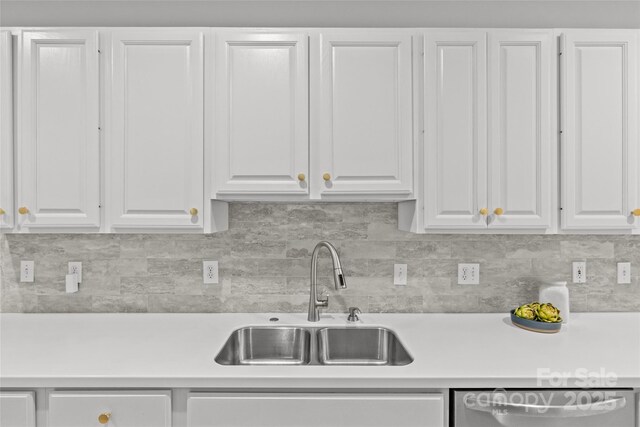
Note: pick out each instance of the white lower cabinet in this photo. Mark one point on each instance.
(110, 408)
(17, 409)
(314, 410)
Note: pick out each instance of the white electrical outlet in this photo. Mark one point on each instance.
(210, 272)
(400, 274)
(580, 272)
(624, 273)
(76, 268)
(27, 271)
(468, 274)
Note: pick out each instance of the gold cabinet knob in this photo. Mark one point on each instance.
(2, 211)
(104, 417)
(326, 177)
(484, 211)
(23, 210)
(636, 212)
(498, 211)
(301, 177)
(193, 211)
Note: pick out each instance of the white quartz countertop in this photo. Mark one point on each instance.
(450, 350)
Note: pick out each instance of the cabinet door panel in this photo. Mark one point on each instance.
(124, 408)
(155, 154)
(7, 211)
(314, 410)
(58, 153)
(262, 113)
(455, 129)
(17, 409)
(366, 135)
(520, 161)
(600, 139)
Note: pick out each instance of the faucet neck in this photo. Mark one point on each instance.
(338, 279)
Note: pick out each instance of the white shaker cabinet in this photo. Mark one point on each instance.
(521, 168)
(7, 211)
(314, 410)
(488, 146)
(58, 149)
(455, 138)
(261, 114)
(599, 81)
(155, 135)
(17, 409)
(362, 137)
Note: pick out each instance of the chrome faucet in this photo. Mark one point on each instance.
(339, 281)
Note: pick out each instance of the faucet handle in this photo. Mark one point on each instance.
(323, 301)
(353, 314)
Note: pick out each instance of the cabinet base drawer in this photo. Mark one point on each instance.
(110, 408)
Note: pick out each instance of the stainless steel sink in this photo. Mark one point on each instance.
(282, 345)
(267, 346)
(361, 346)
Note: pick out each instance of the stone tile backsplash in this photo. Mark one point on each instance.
(265, 259)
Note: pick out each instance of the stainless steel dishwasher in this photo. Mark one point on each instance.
(548, 408)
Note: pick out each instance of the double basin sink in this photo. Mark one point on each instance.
(286, 345)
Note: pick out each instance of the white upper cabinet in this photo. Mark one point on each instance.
(261, 115)
(58, 150)
(521, 165)
(455, 141)
(363, 131)
(599, 74)
(155, 135)
(488, 142)
(7, 211)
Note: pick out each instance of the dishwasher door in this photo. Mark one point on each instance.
(544, 408)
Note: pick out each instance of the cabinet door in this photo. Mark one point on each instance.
(58, 154)
(7, 212)
(155, 165)
(262, 140)
(600, 129)
(365, 142)
(113, 408)
(314, 410)
(520, 141)
(455, 145)
(17, 409)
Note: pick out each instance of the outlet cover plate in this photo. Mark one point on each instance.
(75, 267)
(580, 272)
(210, 272)
(624, 273)
(27, 272)
(468, 274)
(400, 274)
